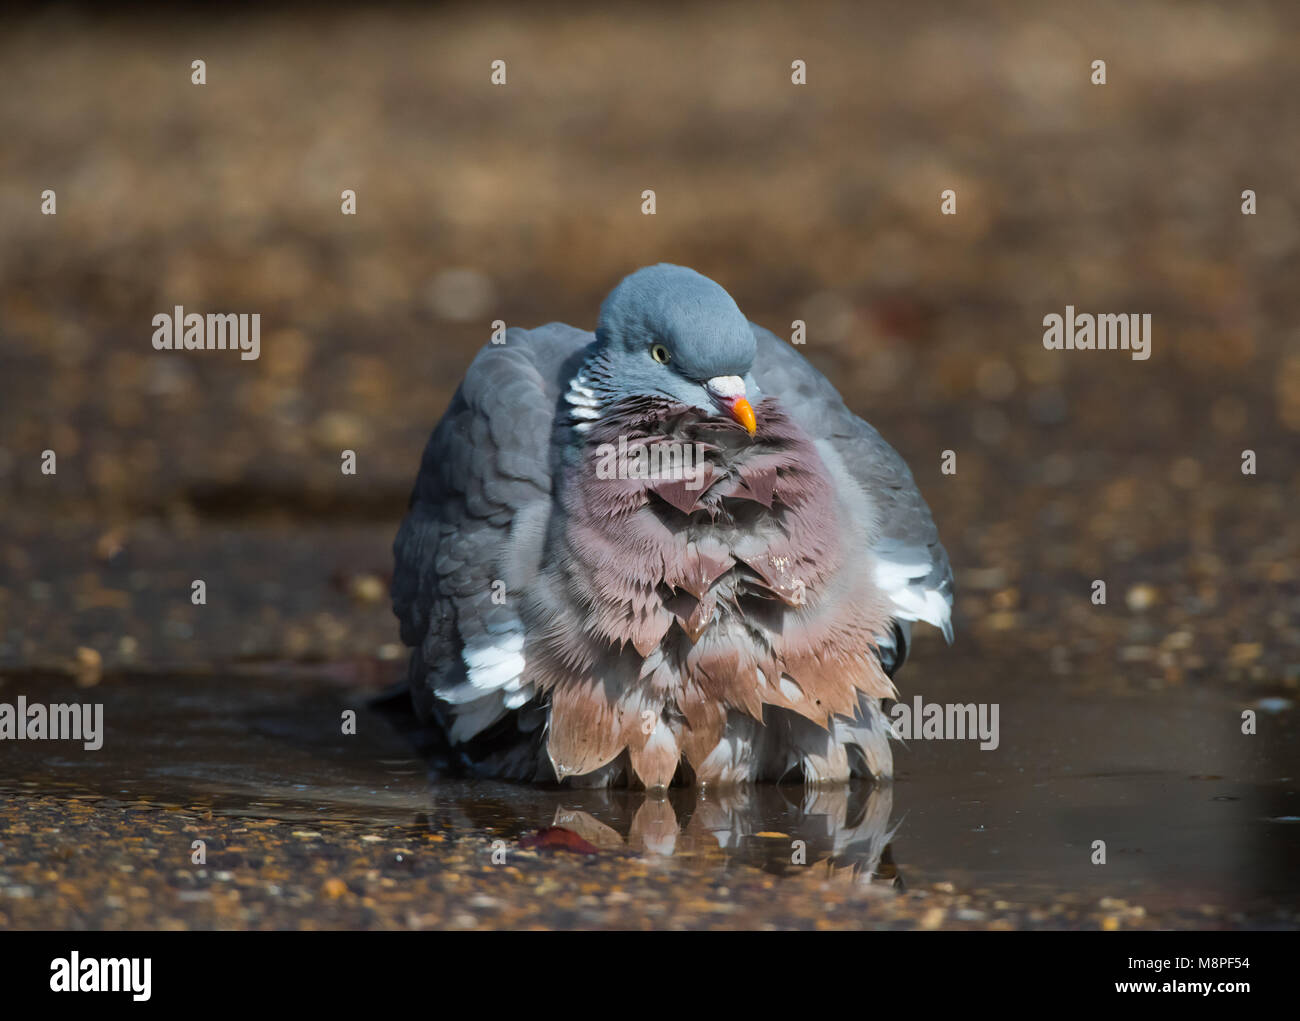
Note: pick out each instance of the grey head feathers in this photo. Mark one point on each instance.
(666, 331)
(699, 322)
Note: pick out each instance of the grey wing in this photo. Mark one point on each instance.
(912, 565)
(475, 531)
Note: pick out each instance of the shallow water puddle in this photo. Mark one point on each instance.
(1193, 814)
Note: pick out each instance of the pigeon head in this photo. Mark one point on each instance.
(670, 333)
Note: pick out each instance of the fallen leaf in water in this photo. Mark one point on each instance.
(557, 838)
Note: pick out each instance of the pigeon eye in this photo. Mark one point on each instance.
(660, 354)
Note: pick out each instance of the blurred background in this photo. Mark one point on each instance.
(522, 202)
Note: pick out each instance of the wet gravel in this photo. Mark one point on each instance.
(306, 826)
(133, 871)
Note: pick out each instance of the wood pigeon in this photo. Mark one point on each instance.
(665, 552)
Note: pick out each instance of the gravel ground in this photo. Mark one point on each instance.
(304, 826)
(264, 873)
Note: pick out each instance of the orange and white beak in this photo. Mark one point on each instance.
(728, 392)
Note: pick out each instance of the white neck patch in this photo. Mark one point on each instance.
(583, 402)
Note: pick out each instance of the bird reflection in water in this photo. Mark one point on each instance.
(842, 828)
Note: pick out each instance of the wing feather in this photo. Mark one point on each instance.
(476, 521)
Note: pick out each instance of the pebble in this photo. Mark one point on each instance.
(1141, 597)
(89, 668)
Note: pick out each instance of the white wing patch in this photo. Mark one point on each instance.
(494, 684)
(494, 660)
(904, 583)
